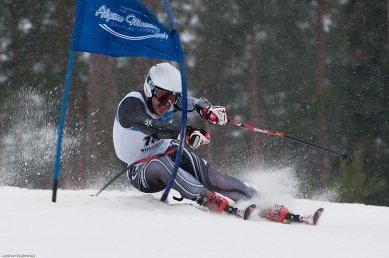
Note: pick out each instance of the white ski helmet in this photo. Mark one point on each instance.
(163, 76)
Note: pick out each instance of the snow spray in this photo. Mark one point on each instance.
(28, 140)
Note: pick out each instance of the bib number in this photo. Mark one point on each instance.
(148, 140)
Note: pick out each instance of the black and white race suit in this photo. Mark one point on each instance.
(139, 133)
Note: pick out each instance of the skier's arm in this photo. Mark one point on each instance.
(157, 129)
(132, 113)
(214, 114)
(191, 104)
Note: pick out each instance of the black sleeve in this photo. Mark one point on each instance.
(201, 104)
(190, 104)
(132, 113)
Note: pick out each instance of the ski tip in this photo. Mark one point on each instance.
(248, 211)
(317, 215)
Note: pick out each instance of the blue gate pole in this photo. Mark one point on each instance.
(184, 101)
(61, 125)
(76, 34)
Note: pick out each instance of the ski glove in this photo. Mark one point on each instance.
(217, 115)
(196, 137)
(214, 114)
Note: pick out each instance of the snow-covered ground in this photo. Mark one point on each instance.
(131, 224)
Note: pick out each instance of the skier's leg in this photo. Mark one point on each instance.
(212, 179)
(191, 163)
(227, 185)
(153, 176)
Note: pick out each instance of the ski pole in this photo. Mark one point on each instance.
(270, 132)
(166, 153)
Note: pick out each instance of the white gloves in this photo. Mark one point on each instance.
(214, 114)
(196, 137)
(217, 115)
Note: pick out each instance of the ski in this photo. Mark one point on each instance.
(311, 219)
(240, 213)
(248, 211)
(317, 215)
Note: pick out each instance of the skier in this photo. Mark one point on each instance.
(144, 127)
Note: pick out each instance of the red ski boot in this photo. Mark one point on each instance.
(217, 203)
(277, 213)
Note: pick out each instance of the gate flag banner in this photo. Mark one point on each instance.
(120, 28)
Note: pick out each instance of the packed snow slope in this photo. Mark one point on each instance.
(133, 224)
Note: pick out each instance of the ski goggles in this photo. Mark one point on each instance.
(165, 97)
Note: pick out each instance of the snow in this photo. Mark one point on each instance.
(132, 224)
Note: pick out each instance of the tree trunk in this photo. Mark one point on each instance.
(15, 43)
(254, 95)
(101, 94)
(320, 86)
(63, 11)
(387, 15)
(141, 66)
(2, 119)
(139, 69)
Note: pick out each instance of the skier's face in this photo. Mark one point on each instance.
(160, 108)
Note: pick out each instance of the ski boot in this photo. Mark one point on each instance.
(277, 213)
(217, 203)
